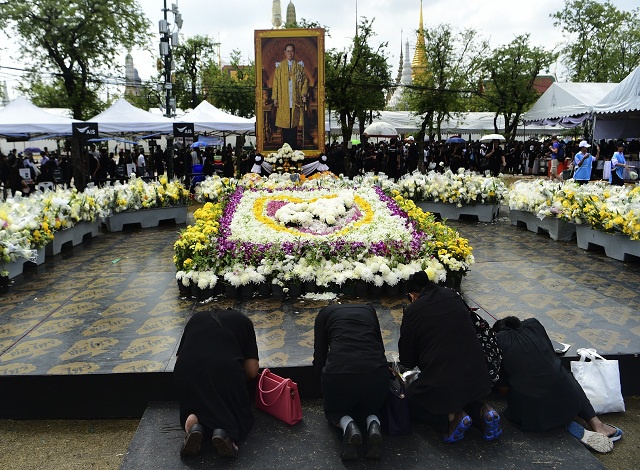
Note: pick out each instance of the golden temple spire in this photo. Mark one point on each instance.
(419, 62)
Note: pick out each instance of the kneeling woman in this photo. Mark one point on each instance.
(349, 355)
(217, 355)
(542, 394)
(438, 336)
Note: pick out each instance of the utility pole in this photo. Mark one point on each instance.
(168, 40)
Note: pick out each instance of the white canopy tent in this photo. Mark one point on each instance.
(21, 116)
(618, 113)
(482, 123)
(475, 123)
(123, 117)
(206, 117)
(567, 104)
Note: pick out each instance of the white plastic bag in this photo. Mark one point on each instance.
(600, 380)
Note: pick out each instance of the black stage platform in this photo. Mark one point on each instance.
(93, 331)
(313, 444)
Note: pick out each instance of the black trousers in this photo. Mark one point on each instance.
(356, 395)
(290, 135)
(440, 422)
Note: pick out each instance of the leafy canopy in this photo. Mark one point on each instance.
(75, 41)
(602, 43)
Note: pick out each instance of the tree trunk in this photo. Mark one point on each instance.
(78, 165)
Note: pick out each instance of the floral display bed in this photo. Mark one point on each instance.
(557, 229)
(147, 218)
(616, 245)
(452, 195)
(484, 212)
(74, 235)
(31, 227)
(326, 234)
(597, 210)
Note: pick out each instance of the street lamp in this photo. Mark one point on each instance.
(169, 40)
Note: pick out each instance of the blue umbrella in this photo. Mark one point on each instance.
(198, 144)
(33, 150)
(455, 140)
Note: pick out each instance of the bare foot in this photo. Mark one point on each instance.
(191, 420)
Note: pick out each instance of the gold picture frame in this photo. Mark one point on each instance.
(302, 122)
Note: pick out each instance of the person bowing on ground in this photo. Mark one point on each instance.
(217, 354)
(437, 335)
(349, 355)
(541, 393)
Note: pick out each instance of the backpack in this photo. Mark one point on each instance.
(560, 154)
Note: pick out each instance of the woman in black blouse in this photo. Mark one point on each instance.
(218, 353)
(542, 394)
(438, 336)
(349, 355)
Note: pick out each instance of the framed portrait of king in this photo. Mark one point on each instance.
(290, 90)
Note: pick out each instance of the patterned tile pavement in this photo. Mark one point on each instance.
(112, 305)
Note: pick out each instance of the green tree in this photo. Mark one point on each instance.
(356, 80)
(194, 55)
(512, 70)
(75, 40)
(453, 61)
(602, 43)
(231, 88)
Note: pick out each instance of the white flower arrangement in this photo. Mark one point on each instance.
(285, 153)
(598, 204)
(328, 230)
(463, 187)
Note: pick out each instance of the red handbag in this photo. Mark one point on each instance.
(279, 397)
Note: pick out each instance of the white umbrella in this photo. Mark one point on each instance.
(490, 137)
(380, 129)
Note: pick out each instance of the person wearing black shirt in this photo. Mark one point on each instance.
(217, 354)
(542, 394)
(349, 356)
(437, 335)
(393, 159)
(496, 158)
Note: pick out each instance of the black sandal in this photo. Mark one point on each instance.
(192, 441)
(224, 444)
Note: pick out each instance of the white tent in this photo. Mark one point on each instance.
(567, 104)
(618, 113)
(206, 117)
(482, 123)
(122, 116)
(476, 123)
(21, 116)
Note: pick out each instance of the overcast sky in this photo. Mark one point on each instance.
(232, 23)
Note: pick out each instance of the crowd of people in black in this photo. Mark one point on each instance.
(394, 158)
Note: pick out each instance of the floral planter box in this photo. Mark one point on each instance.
(557, 229)
(147, 218)
(484, 212)
(16, 267)
(74, 234)
(616, 245)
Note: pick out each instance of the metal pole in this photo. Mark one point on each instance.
(167, 86)
(167, 69)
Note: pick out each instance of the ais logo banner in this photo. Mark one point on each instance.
(85, 130)
(184, 129)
